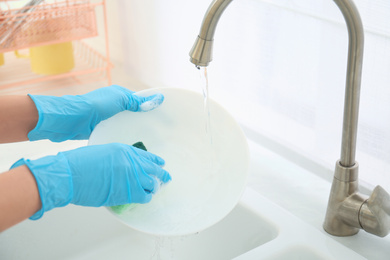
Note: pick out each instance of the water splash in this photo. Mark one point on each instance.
(159, 242)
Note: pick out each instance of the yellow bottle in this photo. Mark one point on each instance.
(52, 59)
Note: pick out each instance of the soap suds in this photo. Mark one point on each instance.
(151, 104)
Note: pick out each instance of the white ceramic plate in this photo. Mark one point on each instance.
(208, 176)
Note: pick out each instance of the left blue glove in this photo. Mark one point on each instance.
(74, 117)
(97, 175)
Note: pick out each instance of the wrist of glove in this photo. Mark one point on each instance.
(74, 117)
(99, 175)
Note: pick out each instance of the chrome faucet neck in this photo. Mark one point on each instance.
(201, 55)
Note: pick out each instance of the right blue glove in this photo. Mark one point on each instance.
(96, 175)
(74, 117)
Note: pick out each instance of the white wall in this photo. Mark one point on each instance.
(158, 37)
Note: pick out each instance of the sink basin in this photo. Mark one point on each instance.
(298, 252)
(255, 229)
(89, 233)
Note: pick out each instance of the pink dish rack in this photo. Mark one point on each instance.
(50, 22)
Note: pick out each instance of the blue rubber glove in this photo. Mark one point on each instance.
(74, 117)
(96, 175)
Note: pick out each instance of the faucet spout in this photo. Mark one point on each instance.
(348, 211)
(202, 51)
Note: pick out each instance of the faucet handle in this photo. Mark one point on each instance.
(374, 214)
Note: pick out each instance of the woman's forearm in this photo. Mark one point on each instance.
(19, 196)
(18, 116)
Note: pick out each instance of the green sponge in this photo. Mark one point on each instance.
(122, 208)
(140, 145)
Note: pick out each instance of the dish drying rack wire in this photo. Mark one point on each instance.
(90, 66)
(47, 23)
(43, 22)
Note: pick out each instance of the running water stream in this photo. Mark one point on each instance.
(205, 90)
(211, 167)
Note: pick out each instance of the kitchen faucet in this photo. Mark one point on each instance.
(348, 210)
